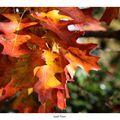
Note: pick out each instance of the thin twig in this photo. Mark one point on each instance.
(18, 26)
(103, 34)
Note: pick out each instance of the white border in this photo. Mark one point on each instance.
(58, 116)
(60, 3)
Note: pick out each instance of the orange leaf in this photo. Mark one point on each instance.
(12, 43)
(76, 58)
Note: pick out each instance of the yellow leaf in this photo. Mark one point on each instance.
(46, 73)
(55, 16)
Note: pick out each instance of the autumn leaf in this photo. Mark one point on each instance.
(59, 27)
(46, 75)
(110, 14)
(77, 57)
(48, 84)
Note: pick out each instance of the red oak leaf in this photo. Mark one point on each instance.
(59, 27)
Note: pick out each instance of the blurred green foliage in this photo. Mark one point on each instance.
(97, 93)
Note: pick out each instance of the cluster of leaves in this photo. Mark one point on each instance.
(39, 54)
